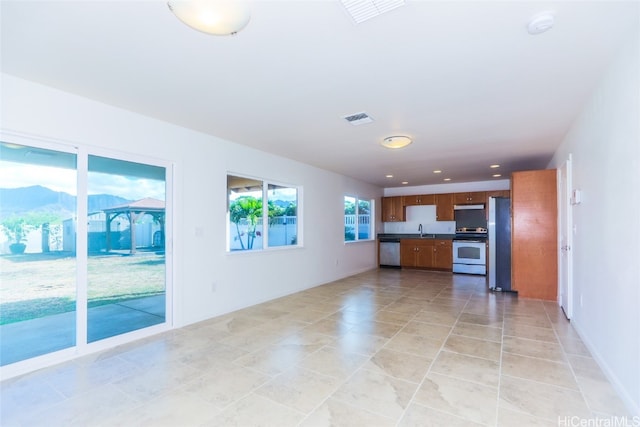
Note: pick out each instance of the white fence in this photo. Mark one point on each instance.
(283, 231)
(364, 225)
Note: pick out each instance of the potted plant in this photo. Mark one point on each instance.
(15, 228)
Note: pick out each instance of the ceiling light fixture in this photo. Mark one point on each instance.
(497, 175)
(494, 166)
(217, 17)
(540, 23)
(447, 179)
(389, 176)
(405, 182)
(396, 142)
(437, 171)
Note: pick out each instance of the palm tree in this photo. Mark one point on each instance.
(250, 209)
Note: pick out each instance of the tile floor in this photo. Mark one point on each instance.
(382, 348)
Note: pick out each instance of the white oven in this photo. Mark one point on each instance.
(469, 256)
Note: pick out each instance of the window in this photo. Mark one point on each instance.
(251, 226)
(357, 219)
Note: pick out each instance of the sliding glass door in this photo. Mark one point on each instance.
(37, 252)
(82, 252)
(126, 254)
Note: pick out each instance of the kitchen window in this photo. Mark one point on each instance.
(357, 219)
(261, 214)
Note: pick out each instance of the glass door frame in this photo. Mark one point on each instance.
(82, 347)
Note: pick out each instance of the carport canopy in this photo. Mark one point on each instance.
(133, 211)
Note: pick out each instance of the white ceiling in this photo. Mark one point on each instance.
(464, 79)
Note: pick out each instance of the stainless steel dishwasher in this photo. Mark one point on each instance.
(389, 252)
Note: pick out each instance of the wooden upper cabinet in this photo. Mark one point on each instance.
(444, 207)
(392, 209)
(534, 244)
(470, 198)
(419, 200)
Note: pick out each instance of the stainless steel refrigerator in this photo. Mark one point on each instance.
(499, 229)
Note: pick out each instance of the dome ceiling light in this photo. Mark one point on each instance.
(217, 17)
(540, 23)
(396, 142)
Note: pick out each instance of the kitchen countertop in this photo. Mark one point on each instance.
(415, 236)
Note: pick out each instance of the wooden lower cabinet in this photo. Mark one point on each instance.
(434, 254)
(534, 244)
(416, 253)
(443, 254)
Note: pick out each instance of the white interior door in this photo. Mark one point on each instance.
(565, 272)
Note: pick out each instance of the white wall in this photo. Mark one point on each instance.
(605, 145)
(201, 165)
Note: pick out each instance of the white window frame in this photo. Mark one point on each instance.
(371, 217)
(265, 216)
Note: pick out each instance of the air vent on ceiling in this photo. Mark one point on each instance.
(358, 119)
(361, 10)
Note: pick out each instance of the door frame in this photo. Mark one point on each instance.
(565, 238)
(81, 347)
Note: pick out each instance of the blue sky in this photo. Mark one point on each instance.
(15, 175)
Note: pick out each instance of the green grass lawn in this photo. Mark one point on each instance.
(38, 285)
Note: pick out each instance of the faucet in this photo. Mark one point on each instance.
(420, 229)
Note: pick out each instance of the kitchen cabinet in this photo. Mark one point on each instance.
(426, 253)
(416, 253)
(393, 209)
(444, 207)
(469, 198)
(534, 243)
(443, 254)
(419, 200)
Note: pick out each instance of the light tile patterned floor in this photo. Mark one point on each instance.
(382, 348)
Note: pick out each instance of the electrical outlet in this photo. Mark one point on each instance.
(214, 286)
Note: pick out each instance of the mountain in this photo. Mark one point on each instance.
(18, 201)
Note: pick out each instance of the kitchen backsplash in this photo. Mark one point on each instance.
(416, 215)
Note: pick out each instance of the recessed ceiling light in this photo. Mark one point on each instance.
(389, 176)
(494, 166)
(496, 175)
(447, 179)
(437, 171)
(405, 182)
(396, 142)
